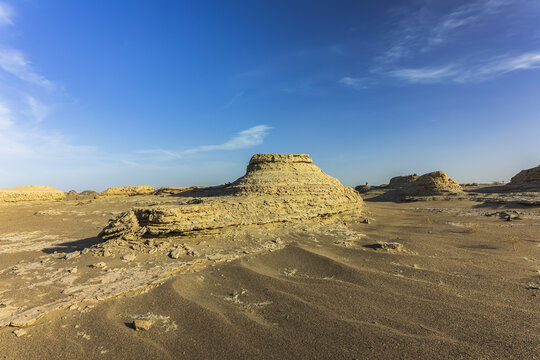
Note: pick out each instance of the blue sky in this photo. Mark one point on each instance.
(107, 93)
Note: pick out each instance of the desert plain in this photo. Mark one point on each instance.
(284, 263)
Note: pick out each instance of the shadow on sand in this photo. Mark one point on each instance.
(72, 246)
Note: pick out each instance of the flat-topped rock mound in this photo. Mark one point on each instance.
(31, 193)
(287, 175)
(528, 179)
(275, 188)
(128, 191)
(399, 182)
(433, 183)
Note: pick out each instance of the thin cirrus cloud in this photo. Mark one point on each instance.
(358, 83)
(465, 15)
(472, 73)
(422, 30)
(5, 117)
(244, 139)
(15, 63)
(37, 109)
(19, 142)
(355, 83)
(6, 14)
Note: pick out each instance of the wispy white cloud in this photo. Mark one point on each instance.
(38, 110)
(464, 15)
(6, 14)
(355, 83)
(15, 63)
(423, 29)
(234, 99)
(158, 155)
(5, 117)
(244, 139)
(18, 141)
(469, 73)
(425, 75)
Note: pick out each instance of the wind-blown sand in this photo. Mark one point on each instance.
(457, 289)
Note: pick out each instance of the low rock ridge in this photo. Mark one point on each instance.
(433, 183)
(31, 193)
(528, 179)
(398, 182)
(128, 191)
(275, 188)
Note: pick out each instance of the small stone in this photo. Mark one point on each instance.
(128, 257)
(72, 255)
(175, 253)
(72, 271)
(365, 221)
(19, 332)
(100, 265)
(391, 246)
(142, 324)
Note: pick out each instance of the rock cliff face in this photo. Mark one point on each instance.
(276, 188)
(528, 179)
(400, 181)
(434, 183)
(31, 193)
(128, 191)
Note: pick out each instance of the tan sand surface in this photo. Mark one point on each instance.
(462, 284)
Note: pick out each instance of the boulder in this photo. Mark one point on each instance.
(128, 191)
(363, 188)
(275, 188)
(31, 193)
(399, 182)
(433, 183)
(528, 180)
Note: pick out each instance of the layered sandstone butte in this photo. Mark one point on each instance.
(399, 182)
(128, 191)
(276, 188)
(528, 179)
(31, 193)
(433, 183)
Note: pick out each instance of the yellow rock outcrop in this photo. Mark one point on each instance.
(128, 191)
(31, 193)
(276, 188)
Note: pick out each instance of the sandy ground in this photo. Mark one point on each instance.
(465, 285)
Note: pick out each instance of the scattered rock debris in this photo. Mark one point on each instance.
(19, 332)
(141, 324)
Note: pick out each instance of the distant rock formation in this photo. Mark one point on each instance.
(128, 191)
(84, 195)
(31, 193)
(433, 183)
(363, 188)
(399, 182)
(275, 188)
(171, 190)
(528, 180)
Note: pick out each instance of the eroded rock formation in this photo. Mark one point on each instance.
(399, 182)
(31, 193)
(528, 179)
(128, 191)
(433, 183)
(275, 188)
